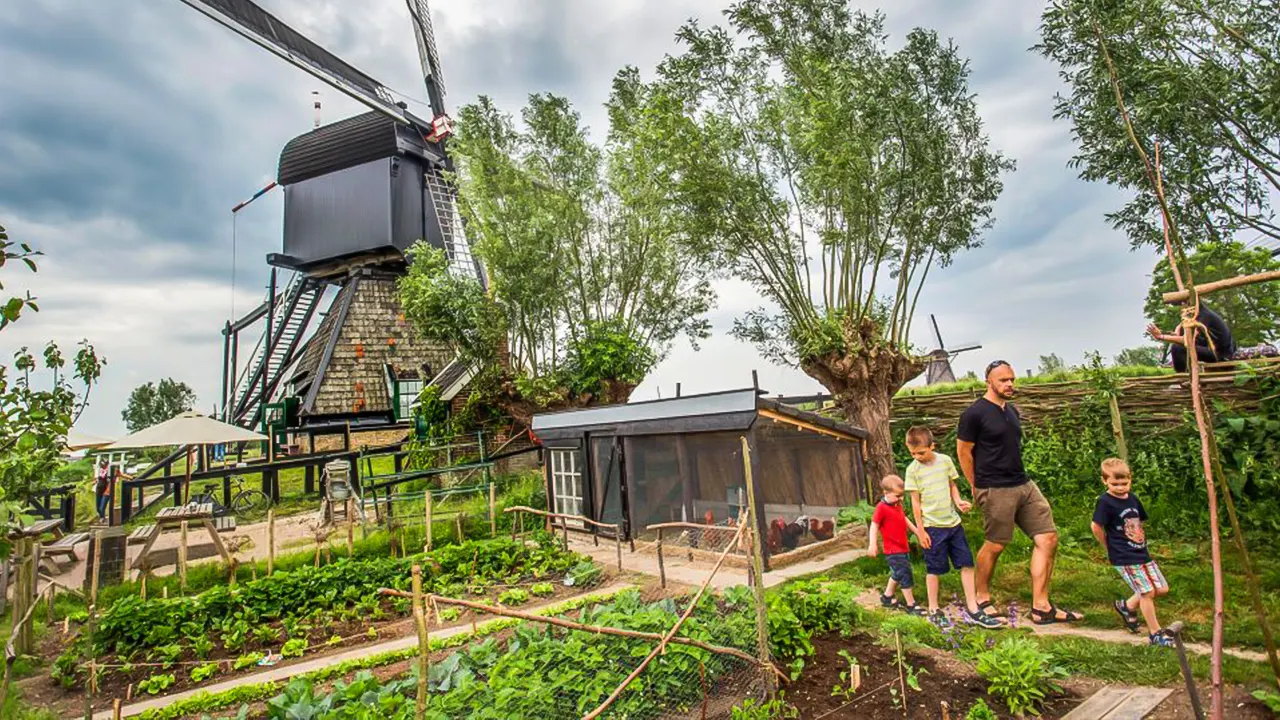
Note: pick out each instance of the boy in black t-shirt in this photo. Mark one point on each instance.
(1117, 524)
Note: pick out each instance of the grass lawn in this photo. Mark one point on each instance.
(1083, 581)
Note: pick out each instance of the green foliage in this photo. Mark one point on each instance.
(154, 403)
(773, 160)
(980, 711)
(1020, 674)
(542, 589)
(584, 574)
(772, 709)
(247, 660)
(858, 515)
(200, 673)
(1199, 78)
(514, 596)
(1051, 364)
(1252, 311)
(34, 421)
(1270, 698)
(294, 648)
(1141, 356)
(156, 684)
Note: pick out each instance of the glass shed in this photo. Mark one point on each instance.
(680, 460)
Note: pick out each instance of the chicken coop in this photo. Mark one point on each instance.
(680, 460)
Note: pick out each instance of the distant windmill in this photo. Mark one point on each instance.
(939, 370)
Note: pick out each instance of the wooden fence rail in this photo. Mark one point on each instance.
(564, 525)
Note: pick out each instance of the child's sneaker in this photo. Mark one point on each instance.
(1129, 617)
(939, 619)
(981, 619)
(1161, 638)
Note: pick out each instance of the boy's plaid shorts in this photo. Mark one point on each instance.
(1143, 578)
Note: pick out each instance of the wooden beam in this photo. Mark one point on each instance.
(805, 425)
(1180, 296)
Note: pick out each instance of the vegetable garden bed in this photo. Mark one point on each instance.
(160, 646)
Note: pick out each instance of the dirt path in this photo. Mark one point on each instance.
(287, 671)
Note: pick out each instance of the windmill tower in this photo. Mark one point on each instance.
(939, 370)
(357, 194)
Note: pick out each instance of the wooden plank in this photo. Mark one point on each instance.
(1139, 704)
(1101, 703)
(217, 541)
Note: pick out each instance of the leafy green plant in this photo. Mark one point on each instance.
(583, 575)
(858, 515)
(247, 660)
(450, 614)
(542, 589)
(980, 711)
(850, 678)
(201, 645)
(1270, 698)
(772, 709)
(1020, 674)
(294, 648)
(156, 684)
(200, 673)
(514, 596)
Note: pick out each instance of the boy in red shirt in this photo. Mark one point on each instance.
(891, 523)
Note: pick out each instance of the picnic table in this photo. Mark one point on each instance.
(171, 518)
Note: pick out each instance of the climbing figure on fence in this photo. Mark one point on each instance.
(1215, 345)
(989, 445)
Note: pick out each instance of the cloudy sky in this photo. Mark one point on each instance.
(129, 128)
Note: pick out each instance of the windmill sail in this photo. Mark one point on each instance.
(428, 54)
(250, 20)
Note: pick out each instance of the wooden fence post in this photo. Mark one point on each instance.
(662, 570)
(271, 541)
(617, 543)
(757, 567)
(424, 645)
(493, 515)
(182, 558)
(428, 513)
(1117, 428)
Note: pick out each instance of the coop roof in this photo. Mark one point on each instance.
(342, 370)
(727, 410)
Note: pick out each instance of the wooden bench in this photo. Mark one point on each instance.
(65, 545)
(224, 523)
(141, 534)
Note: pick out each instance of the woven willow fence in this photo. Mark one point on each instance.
(1148, 403)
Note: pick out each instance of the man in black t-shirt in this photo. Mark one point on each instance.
(989, 447)
(1215, 346)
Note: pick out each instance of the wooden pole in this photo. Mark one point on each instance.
(662, 569)
(271, 541)
(91, 626)
(1178, 297)
(1117, 428)
(493, 514)
(117, 709)
(757, 565)
(424, 644)
(182, 558)
(617, 543)
(20, 593)
(351, 528)
(428, 513)
(457, 524)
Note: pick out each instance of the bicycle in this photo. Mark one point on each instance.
(244, 501)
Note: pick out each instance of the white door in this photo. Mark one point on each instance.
(566, 484)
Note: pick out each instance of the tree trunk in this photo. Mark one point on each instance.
(863, 384)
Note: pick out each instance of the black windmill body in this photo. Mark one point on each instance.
(357, 194)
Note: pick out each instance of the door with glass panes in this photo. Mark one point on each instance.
(566, 483)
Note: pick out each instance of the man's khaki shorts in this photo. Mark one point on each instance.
(1005, 507)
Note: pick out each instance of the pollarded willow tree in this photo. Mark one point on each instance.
(831, 174)
(590, 282)
(1200, 78)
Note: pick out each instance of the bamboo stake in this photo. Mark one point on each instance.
(1190, 329)
(117, 709)
(1178, 297)
(428, 512)
(571, 625)
(271, 541)
(493, 511)
(757, 563)
(182, 558)
(662, 644)
(662, 570)
(424, 645)
(457, 523)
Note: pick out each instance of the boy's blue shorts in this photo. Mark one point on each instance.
(950, 549)
(900, 569)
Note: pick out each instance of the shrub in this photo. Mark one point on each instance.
(1020, 674)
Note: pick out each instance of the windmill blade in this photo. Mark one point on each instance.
(937, 333)
(964, 347)
(251, 21)
(428, 55)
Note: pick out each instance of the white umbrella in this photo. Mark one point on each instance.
(77, 440)
(189, 428)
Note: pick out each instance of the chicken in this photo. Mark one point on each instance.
(775, 535)
(791, 533)
(822, 530)
(709, 519)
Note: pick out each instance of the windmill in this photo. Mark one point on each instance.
(939, 370)
(357, 194)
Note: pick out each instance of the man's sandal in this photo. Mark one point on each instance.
(989, 609)
(1050, 616)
